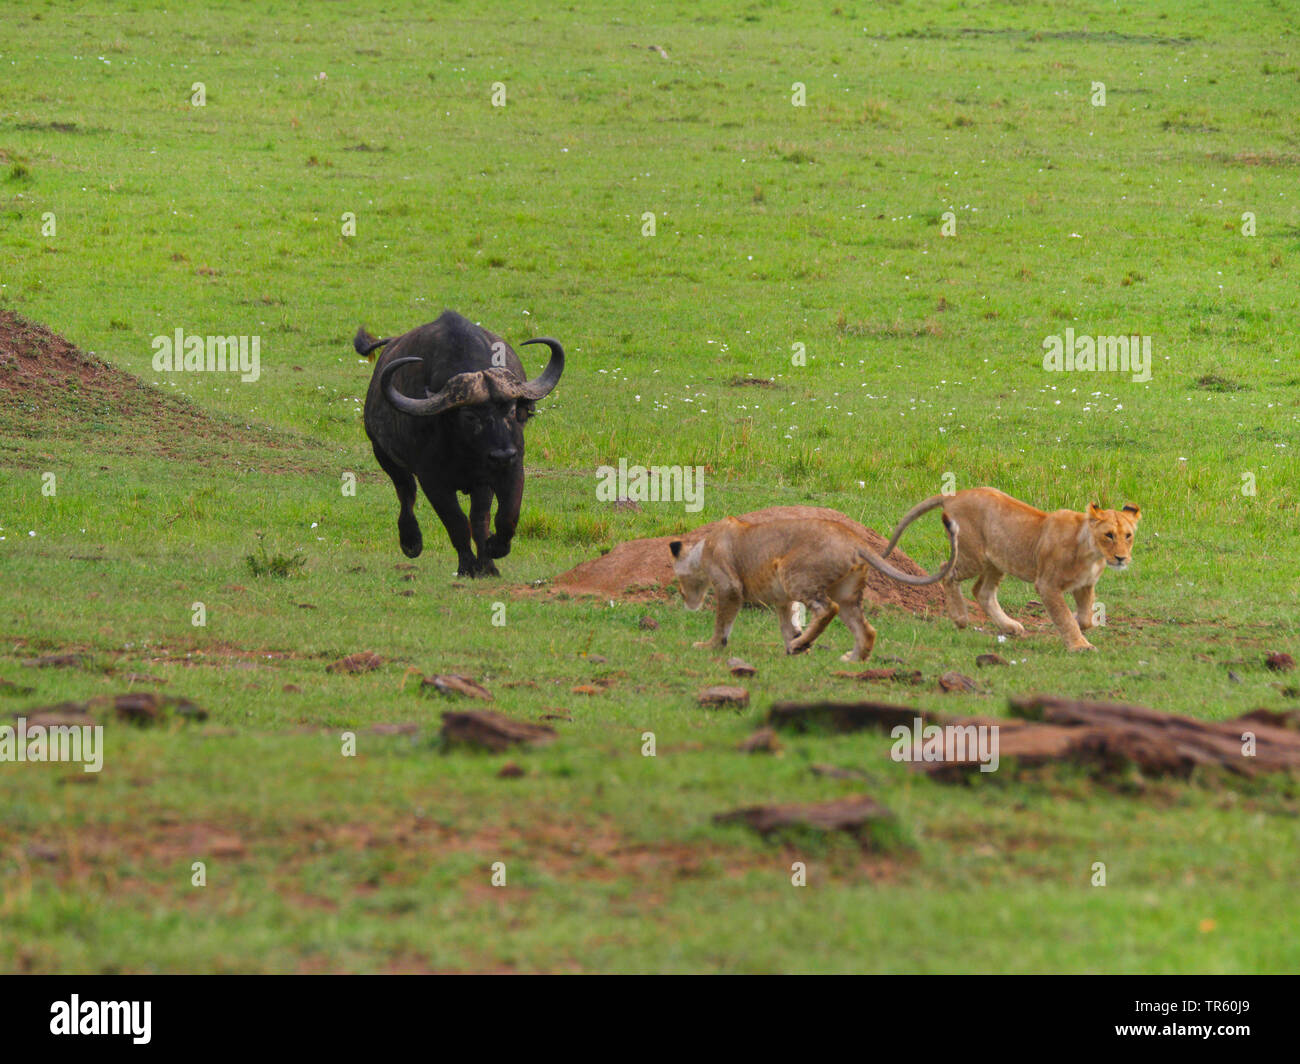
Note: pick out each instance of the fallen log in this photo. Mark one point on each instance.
(492, 731)
(1167, 743)
(1105, 736)
(855, 815)
(841, 716)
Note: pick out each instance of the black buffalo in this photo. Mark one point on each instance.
(447, 406)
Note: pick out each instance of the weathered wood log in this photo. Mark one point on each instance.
(841, 716)
(854, 815)
(1109, 737)
(881, 676)
(490, 730)
(451, 683)
(1112, 734)
(137, 707)
(724, 695)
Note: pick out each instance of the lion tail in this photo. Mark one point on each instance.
(932, 503)
(905, 578)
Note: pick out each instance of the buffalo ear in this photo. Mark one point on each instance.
(1129, 508)
(676, 547)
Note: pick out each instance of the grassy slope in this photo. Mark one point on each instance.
(776, 225)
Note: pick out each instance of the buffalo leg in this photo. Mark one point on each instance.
(510, 496)
(453, 520)
(480, 511)
(408, 528)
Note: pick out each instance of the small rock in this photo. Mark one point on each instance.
(740, 667)
(763, 741)
(291, 689)
(510, 771)
(955, 681)
(724, 696)
(454, 684)
(647, 623)
(1280, 662)
(991, 659)
(366, 661)
(1233, 677)
(597, 659)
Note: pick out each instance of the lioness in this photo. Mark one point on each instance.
(776, 563)
(1056, 552)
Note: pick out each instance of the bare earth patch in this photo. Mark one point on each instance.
(51, 389)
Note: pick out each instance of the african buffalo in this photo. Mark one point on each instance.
(446, 406)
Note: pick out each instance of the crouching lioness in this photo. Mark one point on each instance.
(1058, 552)
(776, 563)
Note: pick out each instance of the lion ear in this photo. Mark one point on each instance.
(1129, 508)
(1094, 510)
(676, 547)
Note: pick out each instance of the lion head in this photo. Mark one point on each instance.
(691, 577)
(1112, 533)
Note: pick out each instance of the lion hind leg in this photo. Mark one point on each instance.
(955, 602)
(821, 613)
(864, 636)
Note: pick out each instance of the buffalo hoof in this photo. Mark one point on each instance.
(473, 567)
(496, 547)
(487, 569)
(411, 540)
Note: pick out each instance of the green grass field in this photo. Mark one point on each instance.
(127, 212)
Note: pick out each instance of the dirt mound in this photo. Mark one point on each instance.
(52, 390)
(642, 568)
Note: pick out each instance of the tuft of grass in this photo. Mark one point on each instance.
(263, 563)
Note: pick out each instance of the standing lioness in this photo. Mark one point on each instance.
(1056, 552)
(817, 562)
